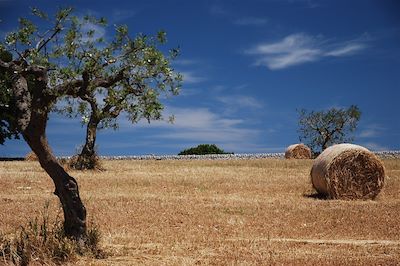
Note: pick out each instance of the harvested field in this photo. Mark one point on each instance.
(259, 212)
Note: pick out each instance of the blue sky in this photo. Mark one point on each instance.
(247, 66)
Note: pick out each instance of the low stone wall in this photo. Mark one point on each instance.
(198, 157)
(239, 156)
(243, 156)
(388, 154)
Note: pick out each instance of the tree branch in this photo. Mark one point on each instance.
(115, 113)
(70, 88)
(57, 30)
(112, 61)
(110, 81)
(118, 107)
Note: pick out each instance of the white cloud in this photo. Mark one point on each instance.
(250, 21)
(241, 101)
(185, 92)
(185, 62)
(301, 48)
(374, 146)
(296, 42)
(218, 10)
(99, 31)
(190, 77)
(200, 125)
(200, 118)
(370, 131)
(348, 49)
(292, 58)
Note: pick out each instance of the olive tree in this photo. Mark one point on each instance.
(321, 129)
(44, 62)
(137, 71)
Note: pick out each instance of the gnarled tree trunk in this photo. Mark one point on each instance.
(87, 158)
(66, 187)
(33, 107)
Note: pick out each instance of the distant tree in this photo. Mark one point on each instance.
(203, 149)
(126, 76)
(321, 129)
(39, 67)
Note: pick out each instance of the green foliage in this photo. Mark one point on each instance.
(82, 50)
(43, 241)
(321, 129)
(76, 48)
(8, 124)
(203, 149)
(97, 74)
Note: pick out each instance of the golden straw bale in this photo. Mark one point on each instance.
(298, 151)
(31, 156)
(348, 171)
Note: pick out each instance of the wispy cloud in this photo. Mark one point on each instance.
(200, 118)
(371, 131)
(374, 146)
(122, 14)
(301, 48)
(346, 50)
(200, 125)
(185, 62)
(186, 92)
(368, 133)
(241, 101)
(190, 77)
(99, 31)
(250, 21)
(218, 10)
(203, 125)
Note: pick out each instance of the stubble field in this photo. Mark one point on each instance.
(236, 212)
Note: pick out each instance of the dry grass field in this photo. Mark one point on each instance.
(239, 212)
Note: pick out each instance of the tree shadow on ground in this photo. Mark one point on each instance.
(316, 195)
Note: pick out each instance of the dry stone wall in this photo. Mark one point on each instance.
(244, 156)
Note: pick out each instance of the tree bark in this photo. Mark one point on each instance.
(32, 115)
(87, 159)
(66, 187)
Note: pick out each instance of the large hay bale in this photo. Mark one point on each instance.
(31, 156)
(298, 151)
(348, 171)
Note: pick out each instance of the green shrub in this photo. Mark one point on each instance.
(203, 149)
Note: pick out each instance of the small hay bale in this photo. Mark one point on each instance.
(348, 171)
(298, 151)
(31, 157)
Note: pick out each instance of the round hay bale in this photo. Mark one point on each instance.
(31, 156)
(298, 151)
(348, 171)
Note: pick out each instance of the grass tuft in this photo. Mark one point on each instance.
(79, 162)
(42, 241)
